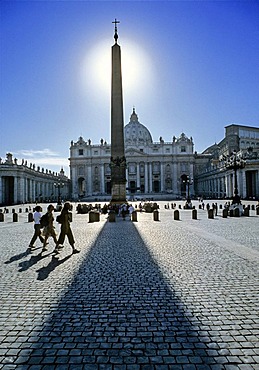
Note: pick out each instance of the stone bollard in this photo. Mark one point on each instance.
(176, 215)
(13, 210)
(7, 210)
(15, 217)
(112, 216)
(180, 207)
(96, 216)
(257, 211)
(1, 217)
(20, 210)
(252, 207)
(225, 213)
(134, 216)
(30, 217)
(231, 213)
(155, 215)
(200, 207)
(236, 212)
(91, 216)
(194, 214)
(246, 212)
(220, 206)
(211, 213)
(26, 210)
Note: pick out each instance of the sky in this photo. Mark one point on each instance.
(187, 66)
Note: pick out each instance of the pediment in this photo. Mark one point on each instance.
(133, 151)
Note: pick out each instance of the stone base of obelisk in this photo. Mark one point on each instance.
(118, 194)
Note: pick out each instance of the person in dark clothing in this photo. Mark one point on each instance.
(65, 219)
(49, 230)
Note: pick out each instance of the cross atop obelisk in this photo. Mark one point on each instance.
(118, 160)
(116, 31)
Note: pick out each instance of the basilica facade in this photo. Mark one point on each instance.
(153, 168)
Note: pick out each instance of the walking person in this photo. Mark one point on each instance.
(49, 230)
(37, 227)
(65, 219)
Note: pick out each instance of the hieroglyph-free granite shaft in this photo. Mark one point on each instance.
(118, 160)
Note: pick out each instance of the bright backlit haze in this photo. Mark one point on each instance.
(187, 66)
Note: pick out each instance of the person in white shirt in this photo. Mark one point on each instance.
(37, 230)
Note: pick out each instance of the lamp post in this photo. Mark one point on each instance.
(188, 181)
(234, 162)
(59, 184)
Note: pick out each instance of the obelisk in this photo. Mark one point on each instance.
(118, 160)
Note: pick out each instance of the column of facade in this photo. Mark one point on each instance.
(127, 178)
(218, 187)
(191, 180)
(102, 177)
(150, 178)
(257, 184)
(229, 191)
(162, 176)
(138, 177)
(175, 179)
(1, 190)
(74, 183)
(244, 190)
(146, 178)
(89, 180)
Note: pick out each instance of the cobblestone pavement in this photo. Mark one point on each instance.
(179, 295)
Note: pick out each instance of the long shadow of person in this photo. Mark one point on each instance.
(119, 310)
(44, 271)
(18, 257)
(25, 265)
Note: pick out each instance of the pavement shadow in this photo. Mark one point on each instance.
(44, 271)
(18, 257)
(118, 310)
(25, 265)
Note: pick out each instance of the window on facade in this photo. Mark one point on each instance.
(155, 167)
(80, 171)
(132, 168)
(107, 169)
(141, 150)
(183, 149)
(96, 152)
(81, 152)
(167, 150)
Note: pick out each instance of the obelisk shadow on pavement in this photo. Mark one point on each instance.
(118, 310)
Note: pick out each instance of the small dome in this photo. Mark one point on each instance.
(135, 133)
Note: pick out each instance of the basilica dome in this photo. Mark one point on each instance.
(135, 133)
